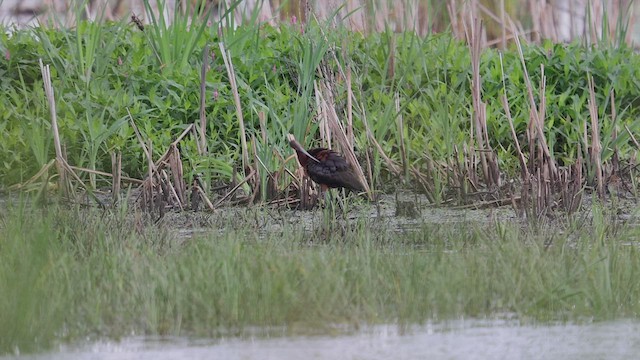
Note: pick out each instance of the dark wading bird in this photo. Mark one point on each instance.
(327, 168)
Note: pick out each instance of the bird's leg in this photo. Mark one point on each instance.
(341, 200)
(334, 204)
(326, 197)
(329, 204)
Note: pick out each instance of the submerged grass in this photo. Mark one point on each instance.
(67, 274)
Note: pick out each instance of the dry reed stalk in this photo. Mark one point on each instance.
(323, 122)
(633, 138)
(403, 150)
(116, 168)
(235, 188)
(255, 183)
(456, 28)
(170, 158)
(61, 162)
(391, 165)
(226, 56)
(41, 173)
(524, 171)
(175, 165)
(202, 133)
(350, 134)
(470, 166)
(535, 114)
(614, 134)
(169, 189)
(148, 184)
(202, 195)
(487, 156)
(369, 159)
(504, 26)
(145, 149)
(596, 145)
(338, 131)
(102, 173)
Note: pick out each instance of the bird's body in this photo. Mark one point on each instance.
(327, 168)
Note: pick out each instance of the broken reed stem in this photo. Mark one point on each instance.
(35, 177)
(171, 187)
(226, 56)
(60, 159)
(596, 145)
(538, 121)
(175, 165)
(204, 197)
(233, 190)
(166, 154)
(116, 168)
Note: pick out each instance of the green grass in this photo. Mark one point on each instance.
(99, 70)
(66, 275)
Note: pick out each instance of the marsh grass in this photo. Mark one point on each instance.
(407, 102)
(67, 274)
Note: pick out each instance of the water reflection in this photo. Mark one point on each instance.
(468, 339)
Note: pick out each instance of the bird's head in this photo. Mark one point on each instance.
(303, 155)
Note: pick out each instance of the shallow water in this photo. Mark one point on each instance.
(461, 339)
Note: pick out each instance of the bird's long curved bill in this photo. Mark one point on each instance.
(294, 144)
(309, 155)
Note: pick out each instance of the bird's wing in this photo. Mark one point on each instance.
(334, 171)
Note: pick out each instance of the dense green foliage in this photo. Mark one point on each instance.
(100, 70)
(69, 274)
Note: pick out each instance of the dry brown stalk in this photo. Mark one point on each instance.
(391, 165)
(203, 196)
(116, 168)
(323, 122)
(338, 131)
(148, 184)
(535, 114)
(147, 151)
(43, 172)
(178, 184)
(596, 145)
(615, 161)
(403, 150)
(350, 134)
(255, 183)
(170, 187)
(633, 138)
(171, 159)
(202, 134)
(61, 161)
(235, 188)
(487, 156)
(226, 56)
(524, 171)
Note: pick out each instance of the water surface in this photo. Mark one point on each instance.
(460, 339)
